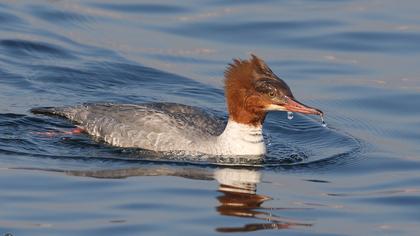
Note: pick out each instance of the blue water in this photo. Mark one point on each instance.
(355, 60)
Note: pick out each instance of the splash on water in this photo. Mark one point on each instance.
(289, 115)
(323, 121)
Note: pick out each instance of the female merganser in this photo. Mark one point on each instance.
(251, 90)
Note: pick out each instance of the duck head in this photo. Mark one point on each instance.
(252, 90)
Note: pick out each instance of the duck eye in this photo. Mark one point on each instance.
(271, 94)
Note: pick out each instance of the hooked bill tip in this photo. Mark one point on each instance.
(321, 113)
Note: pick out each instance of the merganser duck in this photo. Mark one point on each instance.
(251, 90)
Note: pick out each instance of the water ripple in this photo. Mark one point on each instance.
(58, 16)
(8, 19)
(34, 49)
(142, 8)
(297, 34)
(362, 41)
(245, 32)
(183, 59)
(47, 138)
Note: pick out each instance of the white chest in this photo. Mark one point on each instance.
(241, 139)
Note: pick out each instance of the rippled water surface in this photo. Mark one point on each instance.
(356, 60)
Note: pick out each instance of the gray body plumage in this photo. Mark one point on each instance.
(153, 126)
(163, 127)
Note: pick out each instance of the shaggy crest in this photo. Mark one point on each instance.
(239, 87)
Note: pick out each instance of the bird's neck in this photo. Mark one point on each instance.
(242, 139)
(248, 118)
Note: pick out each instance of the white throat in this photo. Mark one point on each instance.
(241, 139)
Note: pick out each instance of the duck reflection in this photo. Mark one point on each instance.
(239, 199)
(238, 189)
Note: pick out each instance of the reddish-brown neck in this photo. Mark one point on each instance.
(245, 117)
(242, 101)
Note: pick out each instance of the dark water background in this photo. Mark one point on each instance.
(356, 60)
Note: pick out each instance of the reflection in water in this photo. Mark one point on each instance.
(238, 188)
(240, 199)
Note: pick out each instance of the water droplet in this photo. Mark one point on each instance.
(323, 121)
(289, 115)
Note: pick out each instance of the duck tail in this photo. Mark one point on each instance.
(49, 111)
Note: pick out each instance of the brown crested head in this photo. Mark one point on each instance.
(252, 89)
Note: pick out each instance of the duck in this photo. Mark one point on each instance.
(251, 90)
